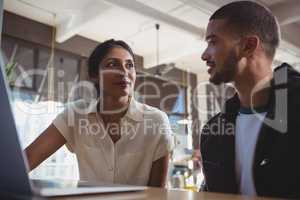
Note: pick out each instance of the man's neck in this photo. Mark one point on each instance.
(252, 86)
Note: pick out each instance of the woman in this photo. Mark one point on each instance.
(116, 139)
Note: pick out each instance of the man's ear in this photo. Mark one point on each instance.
(249, 45)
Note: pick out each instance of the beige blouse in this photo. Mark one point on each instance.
(146, 136)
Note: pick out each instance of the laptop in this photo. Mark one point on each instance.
(14, 177)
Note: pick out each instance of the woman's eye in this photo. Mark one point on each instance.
(112, 64)
(129, 65)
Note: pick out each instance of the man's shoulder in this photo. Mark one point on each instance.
(288, 77)
(207, 128)
(213, 119)
(230, 105)
(218, 124)
(287, 74)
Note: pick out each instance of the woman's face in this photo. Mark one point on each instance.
(117, 73)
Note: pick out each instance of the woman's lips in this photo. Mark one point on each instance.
(123, 84)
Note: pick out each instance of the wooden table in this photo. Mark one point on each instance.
(160, 194)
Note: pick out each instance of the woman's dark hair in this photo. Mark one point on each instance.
(101, 51)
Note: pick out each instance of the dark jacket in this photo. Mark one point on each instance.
(276, 166)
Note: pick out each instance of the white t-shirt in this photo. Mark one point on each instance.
(146, 136)
(248, 126)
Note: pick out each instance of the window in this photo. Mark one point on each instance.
(22, 56)
(34, 107)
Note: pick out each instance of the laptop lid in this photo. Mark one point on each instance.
(73, 187)
(13, 173)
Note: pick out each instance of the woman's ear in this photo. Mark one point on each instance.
(96, 84)
(94, 79)
(249, 45)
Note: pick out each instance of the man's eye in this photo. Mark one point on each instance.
(212, 42)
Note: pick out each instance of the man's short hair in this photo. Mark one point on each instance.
(247, 17)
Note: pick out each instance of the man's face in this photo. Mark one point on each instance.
(221, 52)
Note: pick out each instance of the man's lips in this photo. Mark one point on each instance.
(209, 70)
(211, 66)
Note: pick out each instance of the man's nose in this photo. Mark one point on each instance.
(205, 55)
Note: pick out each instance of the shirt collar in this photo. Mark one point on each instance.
(135, 110)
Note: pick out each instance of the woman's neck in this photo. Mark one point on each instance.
(113, 108)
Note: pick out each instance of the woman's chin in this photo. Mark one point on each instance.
(121, 93)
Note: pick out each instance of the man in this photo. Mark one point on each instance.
(252, 146)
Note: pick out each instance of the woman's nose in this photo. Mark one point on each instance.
(123, 69)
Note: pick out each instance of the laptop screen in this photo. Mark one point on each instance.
(13, 173)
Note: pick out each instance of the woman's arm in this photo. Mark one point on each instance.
(44, 146)
(158, 174)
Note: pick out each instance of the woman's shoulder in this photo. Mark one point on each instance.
(151, 112)
(81, 106)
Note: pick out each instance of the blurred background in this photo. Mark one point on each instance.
(47, 43)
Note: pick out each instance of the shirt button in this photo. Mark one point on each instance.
(111, 169)
(264, 162)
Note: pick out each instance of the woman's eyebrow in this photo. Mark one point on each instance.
(117, 59)
(111, 59)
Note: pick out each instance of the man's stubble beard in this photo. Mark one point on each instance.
(228, 70)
